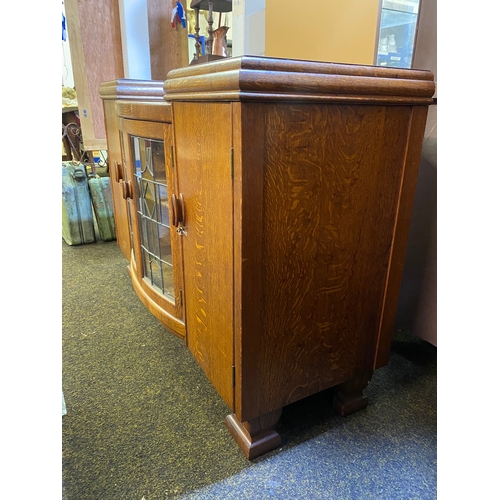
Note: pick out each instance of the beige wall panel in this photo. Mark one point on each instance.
(326, 30)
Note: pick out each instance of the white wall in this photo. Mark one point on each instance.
(67, 68)
(135, 39)
(249, 27)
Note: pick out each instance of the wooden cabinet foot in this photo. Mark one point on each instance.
(257, 436)
(349, 396)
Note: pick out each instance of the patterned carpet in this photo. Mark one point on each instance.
(144, 423)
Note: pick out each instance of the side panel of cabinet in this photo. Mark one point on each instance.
(203, 141)
(156, 256)
(116, 172)
(320, 186)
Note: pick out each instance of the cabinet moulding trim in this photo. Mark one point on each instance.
(320, 98)
(256, 63)
(253, 78)
(131, 89)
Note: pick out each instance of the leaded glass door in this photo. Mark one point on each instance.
(156, 257)
(152, 210)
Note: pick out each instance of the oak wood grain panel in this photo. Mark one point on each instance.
(145, 111)
(168, 46)
(411, 162)
(249, 144)
(116, 165)
(203, 141)
(96, 54)
(329, 209)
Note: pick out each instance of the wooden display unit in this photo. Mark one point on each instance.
(291, 201)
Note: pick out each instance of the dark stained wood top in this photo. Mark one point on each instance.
(264, 78)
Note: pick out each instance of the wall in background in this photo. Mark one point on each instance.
(67, 67)
(135, 39)
(334, 30)
(325, 30)
(249, 27)
(94, 35)
(417, 309)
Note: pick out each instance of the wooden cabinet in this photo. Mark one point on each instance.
(294, 182)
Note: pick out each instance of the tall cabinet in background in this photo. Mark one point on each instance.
(96, 53)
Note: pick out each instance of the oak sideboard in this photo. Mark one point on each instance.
(264, 208)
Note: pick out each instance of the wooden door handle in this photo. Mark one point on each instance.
(182, 210)
(118, 171)
(177, 210)
(126, 189)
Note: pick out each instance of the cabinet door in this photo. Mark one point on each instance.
(155, 261)
(117, 174)
(203, 141)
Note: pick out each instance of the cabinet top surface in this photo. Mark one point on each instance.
(265, 78)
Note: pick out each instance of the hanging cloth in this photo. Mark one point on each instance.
(178, 15)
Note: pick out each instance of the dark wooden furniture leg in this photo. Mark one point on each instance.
(257, 436)
(349, 396)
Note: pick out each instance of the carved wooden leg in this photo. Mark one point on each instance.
(257, 436)
(349, 396)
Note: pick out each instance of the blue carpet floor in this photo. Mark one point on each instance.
(387, 451)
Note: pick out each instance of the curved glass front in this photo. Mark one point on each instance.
(152, 211)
